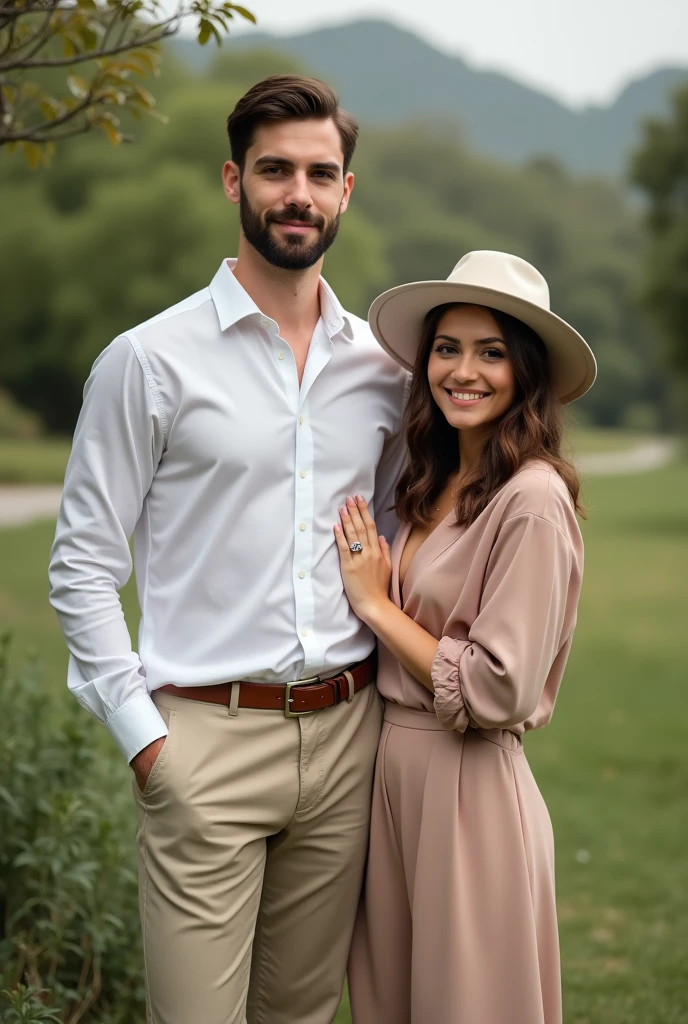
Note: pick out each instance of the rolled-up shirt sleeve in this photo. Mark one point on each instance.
(495, 678)
(118, 443)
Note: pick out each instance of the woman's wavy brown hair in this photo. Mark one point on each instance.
(531, 429)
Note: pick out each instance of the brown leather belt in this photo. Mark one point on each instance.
(301, 697)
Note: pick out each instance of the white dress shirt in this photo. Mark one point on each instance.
(196, 438)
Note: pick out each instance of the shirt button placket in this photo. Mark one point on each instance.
(303, 547)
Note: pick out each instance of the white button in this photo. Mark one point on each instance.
(281, 355)
(302, 527)
(300, 419)
(302, 575)
(302, 474)
(304, 632)
(265, 322)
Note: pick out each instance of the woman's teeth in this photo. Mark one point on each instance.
(467, 396)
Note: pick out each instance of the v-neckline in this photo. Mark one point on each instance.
(402, 539)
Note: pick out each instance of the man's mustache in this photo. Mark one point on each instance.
(291, 216)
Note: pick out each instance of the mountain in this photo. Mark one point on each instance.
(387, 75)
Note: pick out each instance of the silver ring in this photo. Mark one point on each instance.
(355, 547)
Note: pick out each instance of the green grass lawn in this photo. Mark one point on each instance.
(39, 461)
(590, 440)
(612, 765)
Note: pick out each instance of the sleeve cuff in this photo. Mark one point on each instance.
(445, 673)
(136, 724)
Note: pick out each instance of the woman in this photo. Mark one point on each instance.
(457, 923)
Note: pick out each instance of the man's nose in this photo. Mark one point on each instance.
(299, 193)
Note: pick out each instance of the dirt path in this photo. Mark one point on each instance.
(640, 459)
(25, 504)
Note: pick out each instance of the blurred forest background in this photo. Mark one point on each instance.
(106, 237)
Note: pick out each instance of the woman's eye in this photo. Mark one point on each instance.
(446, 349)
(494, 353)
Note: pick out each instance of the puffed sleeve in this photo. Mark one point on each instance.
(495, 678)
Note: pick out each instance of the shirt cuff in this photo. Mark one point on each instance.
(445, 673)
(136, 724)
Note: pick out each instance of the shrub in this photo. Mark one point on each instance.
(69, 929)
(16, 422)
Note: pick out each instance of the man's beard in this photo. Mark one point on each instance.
(292, 252)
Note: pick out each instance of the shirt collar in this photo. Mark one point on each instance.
(333, 316)
(233, 303)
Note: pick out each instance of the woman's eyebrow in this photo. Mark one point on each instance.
(480, 341)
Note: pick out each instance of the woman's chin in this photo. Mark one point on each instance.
(469, 419)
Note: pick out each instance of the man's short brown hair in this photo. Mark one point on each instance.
(287, 98)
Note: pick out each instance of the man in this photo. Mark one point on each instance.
(224, 434)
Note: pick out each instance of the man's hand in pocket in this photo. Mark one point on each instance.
(142, 763)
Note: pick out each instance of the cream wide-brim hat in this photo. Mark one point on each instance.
(498, 280)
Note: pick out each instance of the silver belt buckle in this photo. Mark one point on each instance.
(288, 699)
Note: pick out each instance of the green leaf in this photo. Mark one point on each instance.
(109, 129)
(205, 31)
(244, 13)
(147, 99)
(77, 86)
(89, 37)
(8, 93)
(7, 798)
(162, 118)
(30, 90)
(34, 157)
(50, 107)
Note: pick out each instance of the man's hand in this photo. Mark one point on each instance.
(142, 763)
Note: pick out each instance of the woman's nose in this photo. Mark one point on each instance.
(464, 371)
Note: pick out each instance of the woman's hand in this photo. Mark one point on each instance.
(366, 576)
(366, 573)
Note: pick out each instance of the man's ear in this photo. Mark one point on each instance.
(348, 188)
(231, 181)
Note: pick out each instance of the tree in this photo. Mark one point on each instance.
(70, 66)
(660, 168)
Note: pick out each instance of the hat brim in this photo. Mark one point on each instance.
(397, 316)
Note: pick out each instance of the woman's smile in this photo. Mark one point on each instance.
(466, 398)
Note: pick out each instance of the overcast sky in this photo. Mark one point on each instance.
(582, 51)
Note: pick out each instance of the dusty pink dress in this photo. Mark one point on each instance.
(457, 923)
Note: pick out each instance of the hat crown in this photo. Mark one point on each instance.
(486, 268)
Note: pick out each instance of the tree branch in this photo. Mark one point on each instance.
(19, 12)
(33, 131)
(10, 35)
(42, 34)
(111, 24)
(81, 58)
(28, 136)
(96, 32)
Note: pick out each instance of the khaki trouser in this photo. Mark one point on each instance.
(252, 840)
